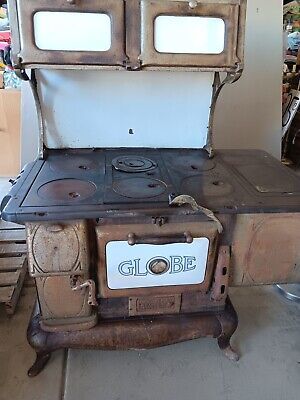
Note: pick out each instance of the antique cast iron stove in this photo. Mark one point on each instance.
(134, 247)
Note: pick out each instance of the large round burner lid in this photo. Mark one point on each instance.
(133, 163)
(139, 188)
(67, 190)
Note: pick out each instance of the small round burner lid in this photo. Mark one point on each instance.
(139, 188)
(133, 163)
(67, 190)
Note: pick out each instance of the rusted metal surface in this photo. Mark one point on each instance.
(58, 248)
(265, 249)
(219, 290)
(154, 305)
(218, 85)
(134, 333)
(132, 34)
(234, 182)
(59, 260)
(26, 52)
(229, 12)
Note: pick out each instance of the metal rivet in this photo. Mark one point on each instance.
(193, 4)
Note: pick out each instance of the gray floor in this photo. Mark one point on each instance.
(268, 339)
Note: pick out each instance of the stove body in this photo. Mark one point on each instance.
(136, 246)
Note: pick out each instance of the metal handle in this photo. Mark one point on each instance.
(132, 239)
(55, 228)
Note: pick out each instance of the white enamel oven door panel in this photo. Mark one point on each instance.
(129, 266)
(58, 32)
(190, 34)
(126, 270)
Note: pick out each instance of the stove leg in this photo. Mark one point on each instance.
(39, 364)
(38, 341)
(229, 322)
(228, 351)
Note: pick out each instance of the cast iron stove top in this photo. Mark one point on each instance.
(92, 183)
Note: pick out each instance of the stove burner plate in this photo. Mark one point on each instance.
(209, 186)
(67, 190)
(193, 164)
(139, 188)
(73, 163)
(133, 164)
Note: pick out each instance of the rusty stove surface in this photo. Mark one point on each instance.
(93, 183)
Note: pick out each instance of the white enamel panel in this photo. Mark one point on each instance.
(72, 31)
(85, 109)
(127, 265)
(189, 35)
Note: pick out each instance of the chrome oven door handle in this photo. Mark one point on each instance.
(132, 239)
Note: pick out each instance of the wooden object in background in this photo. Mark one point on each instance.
(10, 101)
(13, 263)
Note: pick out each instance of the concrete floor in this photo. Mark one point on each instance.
(268, 339)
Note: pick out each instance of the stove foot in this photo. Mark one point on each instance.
(231, 354)
(229, 323)
(39, 364)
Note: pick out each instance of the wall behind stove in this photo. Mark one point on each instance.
(249, 112)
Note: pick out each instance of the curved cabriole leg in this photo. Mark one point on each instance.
(229, 322)
(38, 341)
(39, 364)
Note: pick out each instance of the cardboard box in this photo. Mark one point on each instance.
(10, 148)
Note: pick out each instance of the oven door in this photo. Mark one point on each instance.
(207, 34)
(68, 32)
(143, 260)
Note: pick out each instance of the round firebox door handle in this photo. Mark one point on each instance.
(132, 239)
(55, 228)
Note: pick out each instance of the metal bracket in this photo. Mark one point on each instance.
(77, 284)
(231, 77)
(220, 285)
(22, 74)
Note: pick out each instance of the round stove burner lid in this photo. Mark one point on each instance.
(67, 190)
(133, 163)
(193, 164)
(139, 188)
